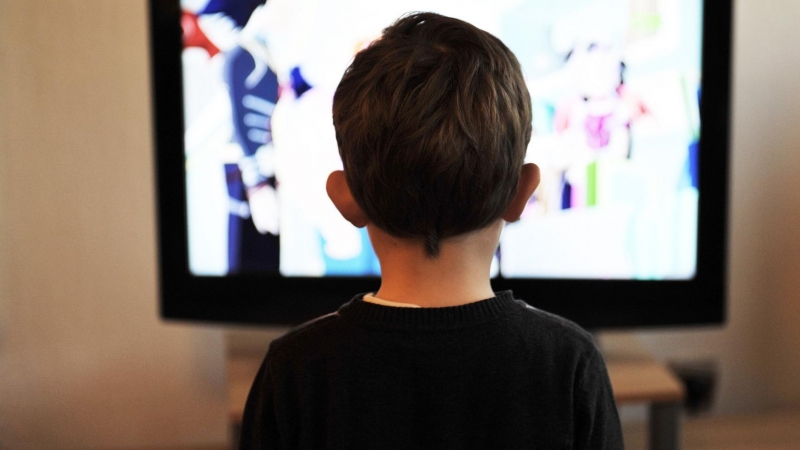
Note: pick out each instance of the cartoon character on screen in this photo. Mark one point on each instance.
(315, 239)
(253, 90)
(595, 120)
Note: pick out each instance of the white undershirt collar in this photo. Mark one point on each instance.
(369, 298)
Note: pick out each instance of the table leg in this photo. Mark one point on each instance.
(665, 426)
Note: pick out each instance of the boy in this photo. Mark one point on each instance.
(432, 121)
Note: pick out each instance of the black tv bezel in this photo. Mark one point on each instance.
(594, 304)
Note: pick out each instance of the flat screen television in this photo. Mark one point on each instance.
(630, 129)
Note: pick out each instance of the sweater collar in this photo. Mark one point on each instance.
(431, 318)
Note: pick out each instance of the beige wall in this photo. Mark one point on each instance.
(770, 86)
(84, 359)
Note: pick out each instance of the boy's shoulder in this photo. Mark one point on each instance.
(306, 334)
(555, 323)
(552, 330)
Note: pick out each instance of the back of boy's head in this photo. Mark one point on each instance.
(433, 120)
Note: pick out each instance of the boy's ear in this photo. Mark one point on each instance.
(528, 181)
(342, 198)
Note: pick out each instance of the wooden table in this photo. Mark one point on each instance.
(637, 379)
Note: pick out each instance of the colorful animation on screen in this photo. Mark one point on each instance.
(615, 92)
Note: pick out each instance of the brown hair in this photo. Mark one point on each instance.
(433, 120)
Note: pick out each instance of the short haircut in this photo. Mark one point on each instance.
(433, 120)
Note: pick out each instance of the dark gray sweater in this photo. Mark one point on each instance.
(495, 374)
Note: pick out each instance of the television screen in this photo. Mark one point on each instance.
(630, 130)
(614, 86)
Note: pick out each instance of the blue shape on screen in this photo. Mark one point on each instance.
(365, 264)
(566, 193)
(248, 249)
(299, 84)
(253, 90)
(238, 10)
(236, 193)
(693, 169)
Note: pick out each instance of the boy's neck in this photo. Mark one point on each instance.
(459, 275)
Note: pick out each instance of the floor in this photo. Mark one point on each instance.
(770, 431)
